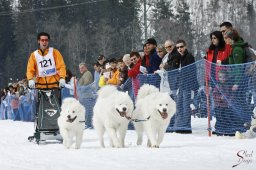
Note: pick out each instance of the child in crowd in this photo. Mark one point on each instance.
(222, 95)
(104, 75)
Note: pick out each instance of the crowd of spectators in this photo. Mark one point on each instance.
(17, 102)
(226, 47)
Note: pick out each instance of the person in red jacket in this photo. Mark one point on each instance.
(217, 53)
(136, 59)
(134, 71)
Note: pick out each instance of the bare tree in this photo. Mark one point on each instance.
(104, 37)
(76, 46)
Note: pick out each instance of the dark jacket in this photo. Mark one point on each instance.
(172, 66)
(173, 60)
(154, 62)
(187, 77)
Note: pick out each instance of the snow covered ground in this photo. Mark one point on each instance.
(178, 152)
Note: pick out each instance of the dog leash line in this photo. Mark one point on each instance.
(140, 120)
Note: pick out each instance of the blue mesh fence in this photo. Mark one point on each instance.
(128, 86)
(231, 90)
(152, 79)
(25, 108)
(87, 97)
(230, 100)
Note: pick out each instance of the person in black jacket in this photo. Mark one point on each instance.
(172, 65)
(186, 81)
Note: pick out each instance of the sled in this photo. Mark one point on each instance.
(47, 112)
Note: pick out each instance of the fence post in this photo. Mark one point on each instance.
(208, 98)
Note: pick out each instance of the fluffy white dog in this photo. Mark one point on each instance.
(71, 122)
(152, 114)
(112, 113)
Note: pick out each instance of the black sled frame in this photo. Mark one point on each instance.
(47, 112)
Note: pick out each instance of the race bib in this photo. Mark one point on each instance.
(45, 64)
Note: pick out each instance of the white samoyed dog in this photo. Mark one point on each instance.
(112, 113)
(152, 114)
(71, 122)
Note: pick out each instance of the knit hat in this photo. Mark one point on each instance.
(151, 41)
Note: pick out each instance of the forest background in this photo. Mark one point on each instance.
(83, 29)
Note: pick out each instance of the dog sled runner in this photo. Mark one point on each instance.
(47, 112)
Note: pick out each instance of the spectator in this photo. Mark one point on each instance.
(169, 46)
(172, 65)
(123, 71)
(237, 55)
(2, 95)
(86, 75)
(217, 53)
(3, 104)
(102, 60)
(222, 94)
(225, 26)
(152, 61)
(11, 89)
(187, 81)
(25, 106)
(97, 71)
(145, 53)
(240, 82)
(86, 93)
(104, 75)
(15, 106)
(134, 71)
(114, 74)
(127, 61)
(69, 89)
(173, 56)
(8, 109)
(161, 52)
(21, 89)
(164, 84)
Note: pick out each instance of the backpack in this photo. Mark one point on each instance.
(250, 54)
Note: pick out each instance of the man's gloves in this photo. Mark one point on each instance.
(62, 83)
(32, 84)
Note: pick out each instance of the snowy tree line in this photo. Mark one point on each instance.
(83, 29)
